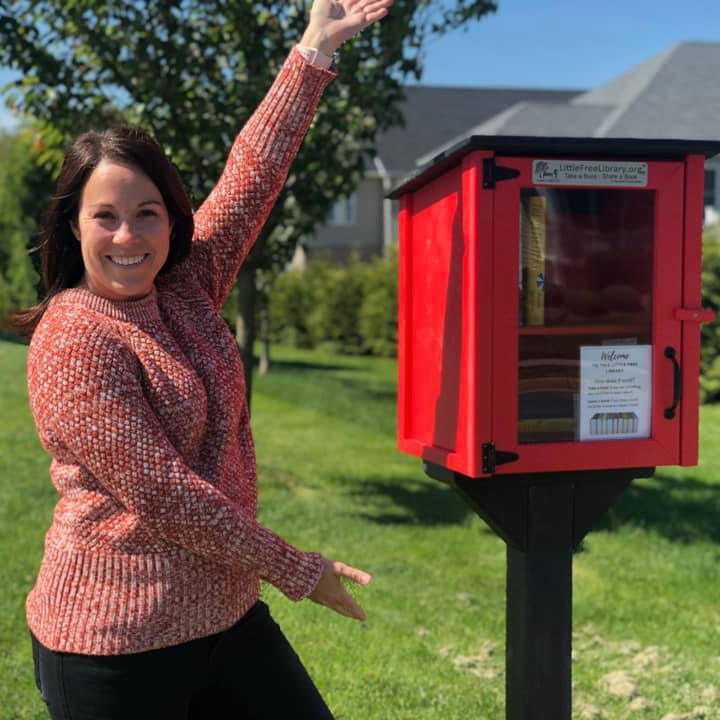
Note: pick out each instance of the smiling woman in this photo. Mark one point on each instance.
(146, 604)
(124, 230)
(118, 197)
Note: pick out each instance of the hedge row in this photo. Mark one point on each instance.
(353, 309)
(710, 333)
(345, 309)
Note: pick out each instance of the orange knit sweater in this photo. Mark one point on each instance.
(141, 404)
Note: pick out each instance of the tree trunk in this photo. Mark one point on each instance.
(245, 325)
(264, 366)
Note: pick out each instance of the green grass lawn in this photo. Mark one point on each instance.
(646, 622)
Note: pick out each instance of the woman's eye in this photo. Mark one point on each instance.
(147, 213)
(103, 215)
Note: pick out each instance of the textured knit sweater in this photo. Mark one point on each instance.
(141, 405)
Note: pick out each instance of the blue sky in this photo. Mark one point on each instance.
(560, 43)
(567, 43)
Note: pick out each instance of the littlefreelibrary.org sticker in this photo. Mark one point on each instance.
(590, 172)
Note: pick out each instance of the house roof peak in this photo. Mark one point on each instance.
(674, 94)
(433, 114)
(475, 89)
(625, 87)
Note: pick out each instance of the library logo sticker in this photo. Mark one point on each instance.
(590, 172)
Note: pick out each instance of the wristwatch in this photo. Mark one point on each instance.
(317, 57)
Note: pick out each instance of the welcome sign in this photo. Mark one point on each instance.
(615, 391)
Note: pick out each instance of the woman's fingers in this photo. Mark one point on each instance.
(371, 17)
(370, 7)
(366, 5)
(350, 605)
(347, 605)
(341, 601)
(351, 573)
(373, 10)
(331, 592)
(364, 12)
(335, 21)
(352, 608)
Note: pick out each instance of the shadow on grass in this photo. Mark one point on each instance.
(299, 366)
(379, 394)
(11, 337)
(679, 509)
(358, 400)
(320, 371)
(407, 501)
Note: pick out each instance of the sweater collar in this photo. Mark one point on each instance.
(142, 309)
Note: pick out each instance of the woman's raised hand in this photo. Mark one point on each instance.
(332, 22)
(332, 593)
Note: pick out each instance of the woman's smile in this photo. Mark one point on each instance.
(133, 261)
(124, 230)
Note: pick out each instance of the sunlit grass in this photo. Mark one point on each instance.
(331, 480)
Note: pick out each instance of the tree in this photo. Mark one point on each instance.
(192, 72)
(23, 185)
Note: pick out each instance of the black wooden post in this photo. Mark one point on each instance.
(539, 610)
(538, 682)
(542, 518)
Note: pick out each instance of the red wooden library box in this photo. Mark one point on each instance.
(549, 304)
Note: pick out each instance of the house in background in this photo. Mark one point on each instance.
(673, 95)
(365, 222)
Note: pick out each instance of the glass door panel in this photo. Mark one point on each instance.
(585, 279)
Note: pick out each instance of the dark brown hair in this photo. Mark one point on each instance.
(60, 257)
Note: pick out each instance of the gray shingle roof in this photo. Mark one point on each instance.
(624, 88)
(680, 99)
(675, 94)
(533, 119)
(434, 114)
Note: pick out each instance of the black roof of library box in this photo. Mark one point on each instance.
(548, 147)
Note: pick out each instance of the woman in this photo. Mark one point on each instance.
(146, 602)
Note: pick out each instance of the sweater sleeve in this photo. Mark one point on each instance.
(89, 408)
(230, 219)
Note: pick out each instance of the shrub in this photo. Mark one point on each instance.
(336, 295)
(377, 318)
(290, 307)
(710, 332)
(345, 308)
(24, 187)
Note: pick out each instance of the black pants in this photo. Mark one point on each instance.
(248, 671)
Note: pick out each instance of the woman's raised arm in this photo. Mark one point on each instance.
(229, 221)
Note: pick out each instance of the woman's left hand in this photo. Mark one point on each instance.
(331, 592)
(332, 22)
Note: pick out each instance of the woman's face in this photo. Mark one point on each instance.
(124, 232)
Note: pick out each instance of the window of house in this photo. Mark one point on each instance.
(344, 212)
(395, 205)
(709, 196)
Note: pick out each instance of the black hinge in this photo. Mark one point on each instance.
(492, 457)
(493, 173)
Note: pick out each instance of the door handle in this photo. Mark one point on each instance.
(677, 382)
(698, 315)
